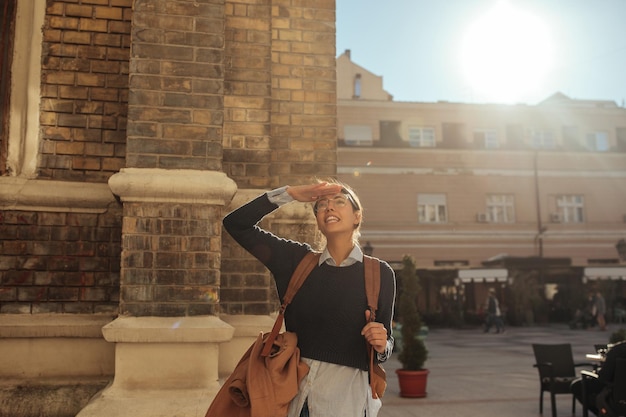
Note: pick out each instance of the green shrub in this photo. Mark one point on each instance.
(414, 353)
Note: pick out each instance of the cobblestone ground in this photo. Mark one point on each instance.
(478, 374)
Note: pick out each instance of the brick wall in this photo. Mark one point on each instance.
(84, 89)
(304, 119)
(66, 262)
(59, 262)
(280, 111)
(171, 260)
(247, 93)
(279, 122)
(176, 105)
(243, 87)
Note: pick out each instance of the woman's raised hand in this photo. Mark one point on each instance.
(312, 192)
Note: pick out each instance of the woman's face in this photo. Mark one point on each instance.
(337, 215)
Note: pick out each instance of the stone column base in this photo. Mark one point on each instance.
(164, 366)
(247, 329)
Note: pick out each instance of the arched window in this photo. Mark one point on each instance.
(357, 86)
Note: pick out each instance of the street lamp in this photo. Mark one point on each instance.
(368, 249)
(621, 249)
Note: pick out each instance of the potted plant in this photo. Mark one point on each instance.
(412, 377)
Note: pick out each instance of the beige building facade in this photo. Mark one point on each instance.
(459, 186)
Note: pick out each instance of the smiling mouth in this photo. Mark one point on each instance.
(331, 219)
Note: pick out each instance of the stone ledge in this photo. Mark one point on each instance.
(53, 325)
(55, 196)
(168, 330)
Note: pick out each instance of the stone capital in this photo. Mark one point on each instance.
(172, 186)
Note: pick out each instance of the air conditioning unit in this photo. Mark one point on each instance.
(482, 218)
(556, 217)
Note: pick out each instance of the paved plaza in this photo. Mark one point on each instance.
(478, 374)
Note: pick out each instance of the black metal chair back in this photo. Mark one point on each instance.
(557, 370)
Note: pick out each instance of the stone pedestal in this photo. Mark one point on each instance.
(164, 366)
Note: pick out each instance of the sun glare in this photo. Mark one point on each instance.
(506, 55)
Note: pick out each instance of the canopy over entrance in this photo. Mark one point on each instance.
(482, 275)
(614, 273)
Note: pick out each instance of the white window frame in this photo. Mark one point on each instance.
(358, 135)
(432, 208)
(542, 138)
(422, 137)
(597, 141)
(500, 208)
(23, 135)
(357, 86)
(489, 138)
(571, 208)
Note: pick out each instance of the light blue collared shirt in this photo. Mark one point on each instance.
(356, 255)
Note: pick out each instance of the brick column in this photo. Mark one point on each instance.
(173, 192)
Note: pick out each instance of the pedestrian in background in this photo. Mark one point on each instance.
(599, 310)
(494, 314)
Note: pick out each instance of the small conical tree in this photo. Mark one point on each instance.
(414, 352)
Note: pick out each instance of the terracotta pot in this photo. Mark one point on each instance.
(412, 383)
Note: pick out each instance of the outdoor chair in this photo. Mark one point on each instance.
(557, 370)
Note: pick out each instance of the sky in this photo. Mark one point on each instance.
(489, 51)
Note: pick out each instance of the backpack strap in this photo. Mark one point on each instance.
(372, 283)
(301, 273)
(377, 374)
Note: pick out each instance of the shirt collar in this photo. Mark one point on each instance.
(356, 255)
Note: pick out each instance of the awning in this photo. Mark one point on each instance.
(482, 275)
(615, 273)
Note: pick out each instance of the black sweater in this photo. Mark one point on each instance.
(328, 312)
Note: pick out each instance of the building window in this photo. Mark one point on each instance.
(421, 137)
(542, 139)
(570, 209)
(500, 208)
(431, 208)
(597, 141)
(357, 135)
(486, 138)
(357, 86)
(22, 141)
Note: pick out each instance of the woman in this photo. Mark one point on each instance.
(329, 311)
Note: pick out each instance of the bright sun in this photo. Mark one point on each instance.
(506, 55)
